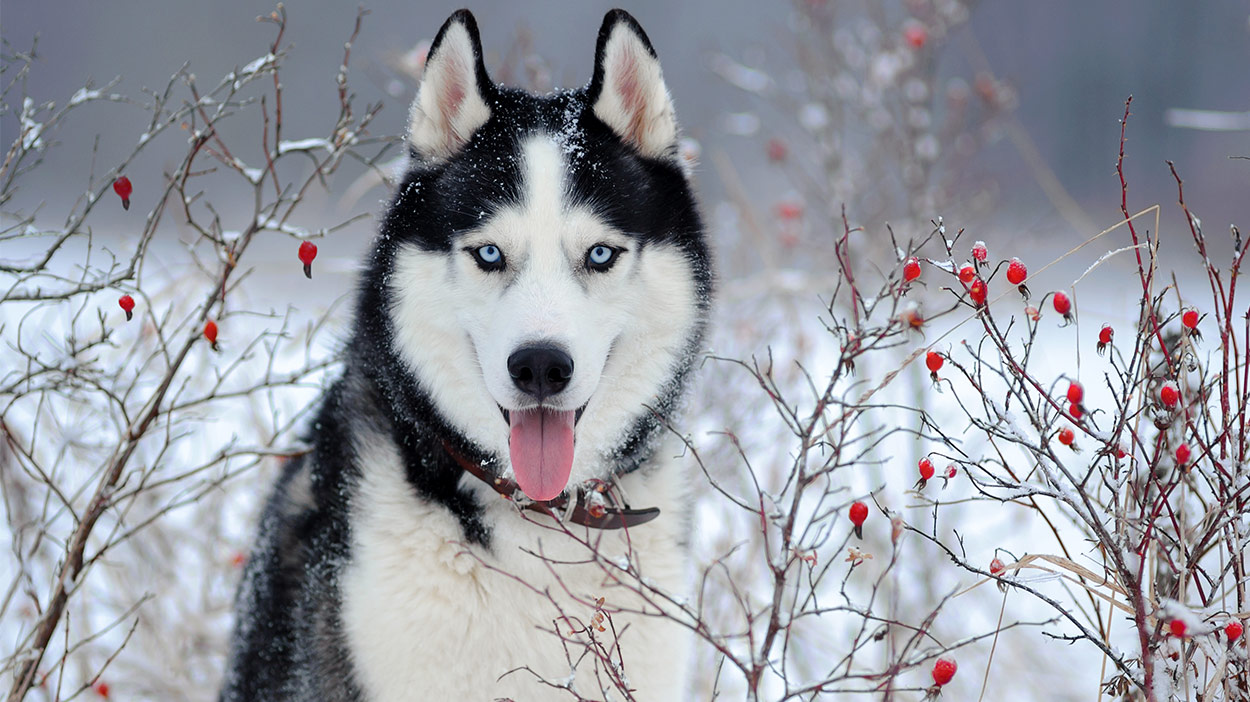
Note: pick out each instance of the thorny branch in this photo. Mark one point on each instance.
(150, 392)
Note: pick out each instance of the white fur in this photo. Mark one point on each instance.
(449, 107)
(430, 618)
(625, 329)
(635, 102)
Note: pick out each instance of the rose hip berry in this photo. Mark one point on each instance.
(944, 670)
(307, 252)
(1104, 338)
(1169, 395)
(859, 512)
(1075, 410)
(933, 361)
(1067, 436)
(1076, 393)
(127, 303)
(978, 292)
(123, 188)
(1063, 305)
(777, 150)
(967, 274)
(210, 333)
(1190, 320)
(1182, 454)
(1177, 627)
(979, 253)
(1233, 630)
(951, 472)
(1016, 273)
(926, 473)
(915, 35)
(911, 269)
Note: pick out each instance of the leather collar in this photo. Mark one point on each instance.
(596, 507)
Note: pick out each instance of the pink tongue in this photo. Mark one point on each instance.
(541, 445)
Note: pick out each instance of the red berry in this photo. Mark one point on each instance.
(1104, 338)
(101, 689)
(307, 252)
(996, 567)
(777, 150)
(1120, 452)
(926, 468)
(789, 210)
(911, 269)
(978, 292)
(127, 303)
(1062, 304)
(1182, 454)
(1177, 627)
(859, 512)
(123, 188)
(979, 252)
(944, 670)
(915, 35)
(1169, 394)
(1190, 319)
(967, 274)
(1233, 630)
(1075, 410)
(1066, 436)
(933, 360)
(1016, 272)
(210, 333)
(1076, 393)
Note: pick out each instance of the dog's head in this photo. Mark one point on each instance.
(543, 262)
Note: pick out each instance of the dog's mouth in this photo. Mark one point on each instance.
(507, 416)
(540, 444)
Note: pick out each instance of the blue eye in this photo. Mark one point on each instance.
(601, 257)
(488, 257)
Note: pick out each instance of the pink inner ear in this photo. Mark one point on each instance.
(452, 95)
(630, 90)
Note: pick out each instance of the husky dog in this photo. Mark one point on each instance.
(525, 326)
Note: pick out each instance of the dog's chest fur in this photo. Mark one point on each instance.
(428, 616)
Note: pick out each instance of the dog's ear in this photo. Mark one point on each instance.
(627, 91)
(452, 102)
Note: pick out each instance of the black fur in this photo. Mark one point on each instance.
(289, 643)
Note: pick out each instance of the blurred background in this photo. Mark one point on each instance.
(1068, 63)
(1000, 117)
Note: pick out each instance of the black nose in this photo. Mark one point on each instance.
(540, 371)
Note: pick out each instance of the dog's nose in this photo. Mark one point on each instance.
(540, 371)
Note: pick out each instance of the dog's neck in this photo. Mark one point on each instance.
(595, 506)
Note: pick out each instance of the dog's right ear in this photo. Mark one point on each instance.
(451, 103)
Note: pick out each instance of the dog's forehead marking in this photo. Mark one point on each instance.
(544, 175)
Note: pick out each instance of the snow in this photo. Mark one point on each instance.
(257, 64)
(311, 144)
(83, 95)
(31, 130)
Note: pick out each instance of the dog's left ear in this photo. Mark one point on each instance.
(627, 91)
